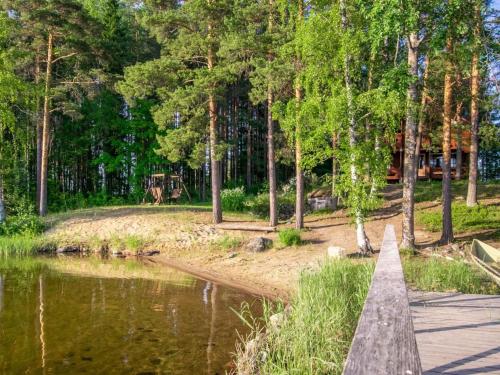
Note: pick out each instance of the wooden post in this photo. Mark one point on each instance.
(384, 342)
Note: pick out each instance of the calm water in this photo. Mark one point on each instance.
(54, 320)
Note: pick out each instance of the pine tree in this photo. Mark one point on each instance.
(188, 82)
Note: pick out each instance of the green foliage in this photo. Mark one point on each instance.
(316, 336)
(439, 275)
(464, 218)
(233, 199)
(259, 205)
(22, 221)
(289, 237)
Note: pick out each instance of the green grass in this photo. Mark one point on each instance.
(289, 237)
(131, 243)
(316, 336)
(431, 190)
(23, 245)
(464, 218)
(439, 275)
(227, 243)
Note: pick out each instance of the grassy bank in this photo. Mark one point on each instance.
(24, 244)
(440, 275)
(316, 335)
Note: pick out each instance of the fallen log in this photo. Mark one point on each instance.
(249, 228)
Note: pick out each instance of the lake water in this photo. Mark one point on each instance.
(87, 316)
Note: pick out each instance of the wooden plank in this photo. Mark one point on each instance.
(457, 333)
(384, 342)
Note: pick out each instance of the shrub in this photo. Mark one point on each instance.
(289, 237)
(23, 221)
(259, 205)
(234, 199)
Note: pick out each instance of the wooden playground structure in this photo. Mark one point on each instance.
(163, 188)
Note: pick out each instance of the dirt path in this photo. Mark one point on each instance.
(187, 240)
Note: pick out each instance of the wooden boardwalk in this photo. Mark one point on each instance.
(457, 333)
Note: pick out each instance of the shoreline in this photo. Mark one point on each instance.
(262, 290)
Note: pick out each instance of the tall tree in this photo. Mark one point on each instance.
(409, 178)
(187, 80)
(474, 106)
(447, 233)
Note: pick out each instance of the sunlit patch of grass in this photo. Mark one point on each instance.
(426, 191)
(316, 336)
(130, 243)
(439, 275)
(464, 218)
(227, 243)
(24, 244)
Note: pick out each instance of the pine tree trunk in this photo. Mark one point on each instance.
(474, 110)
(408, 240)
(42, 209)
(447, 235)
(458, 129)
(2, 204)
(299, 173)
(39, 130)
(362, 240)
(421, 115)
(215, 164)
(335, 199)
(249, 152)
(271, 163)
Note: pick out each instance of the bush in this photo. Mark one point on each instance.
(23, 221)
(259, 205)
(464, 218)
(234, 199)
(289, 237)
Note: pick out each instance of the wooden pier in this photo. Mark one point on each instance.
(411, 333)
(457, 333)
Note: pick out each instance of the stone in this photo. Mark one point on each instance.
(232, 255)
(67, 249)
(336, 252)
(258, 244)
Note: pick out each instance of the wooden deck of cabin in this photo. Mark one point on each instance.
(457, 333)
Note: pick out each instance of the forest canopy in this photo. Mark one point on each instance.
(274, 98)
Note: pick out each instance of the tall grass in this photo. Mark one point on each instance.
(439, 275)
(316, 336)
(23, 244)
